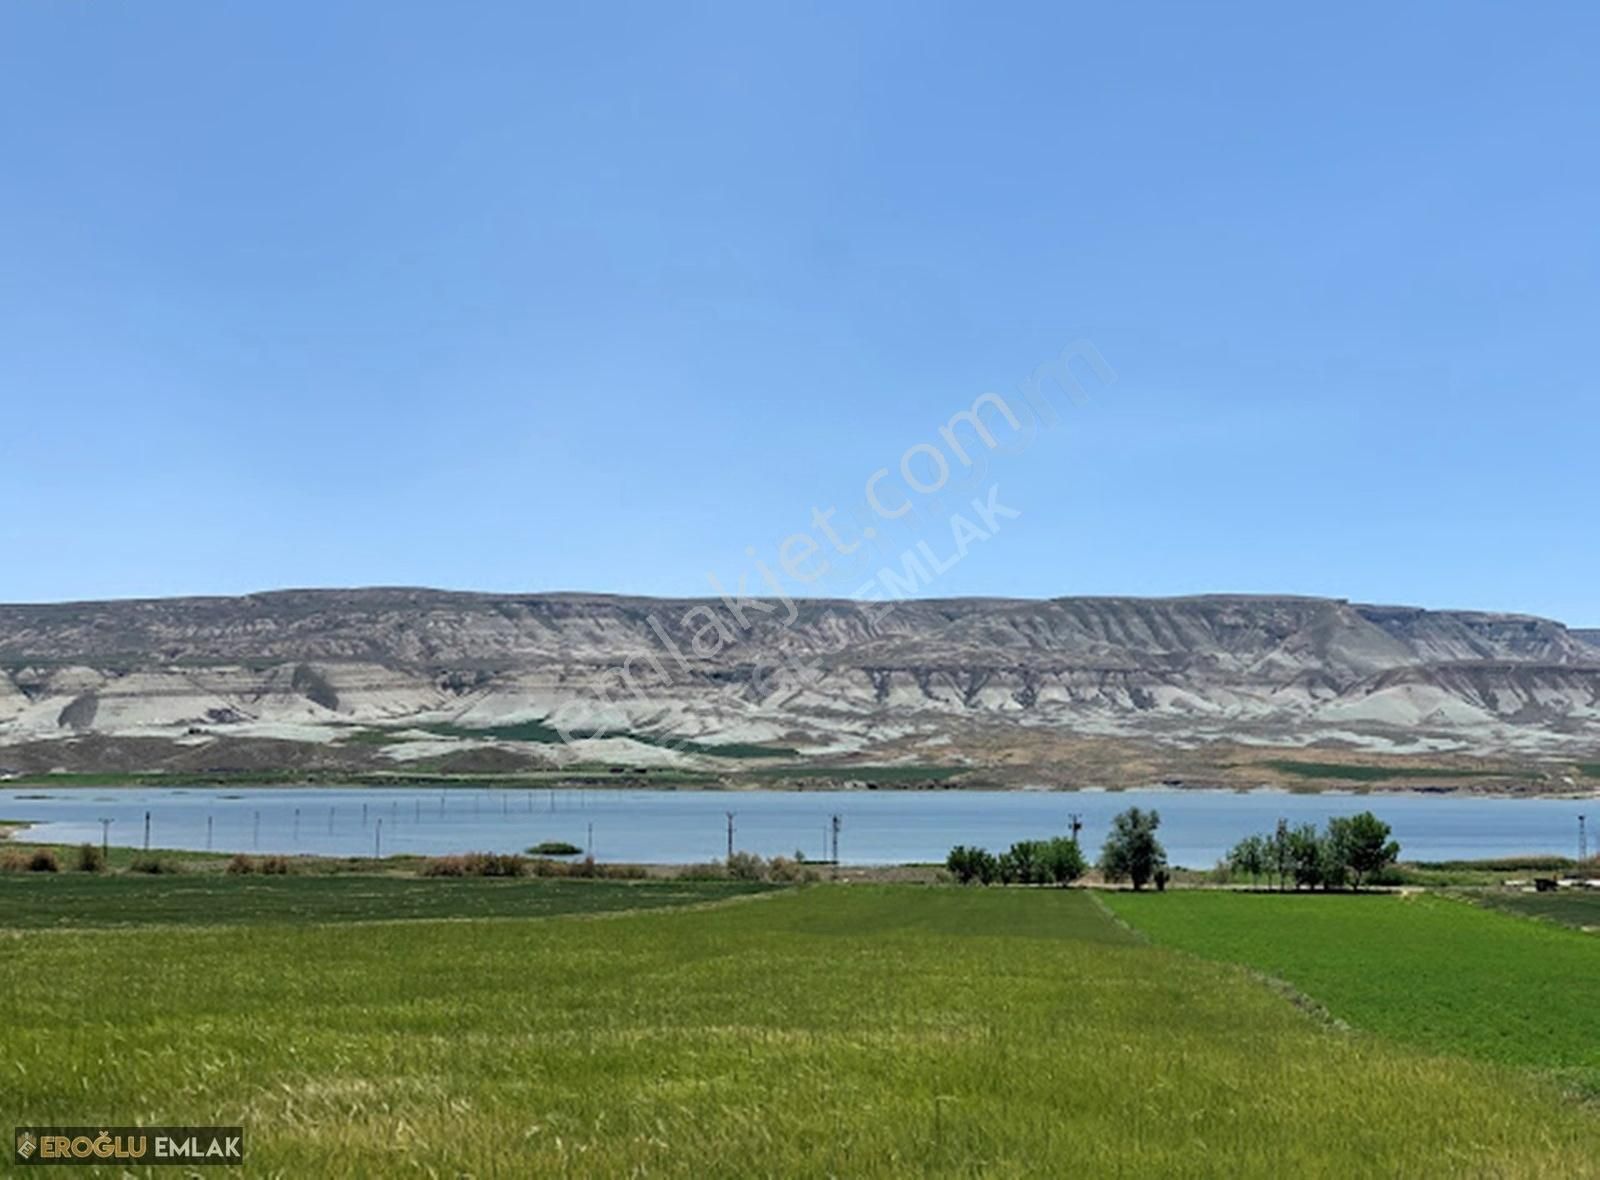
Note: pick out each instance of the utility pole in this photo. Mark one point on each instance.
(1583, 841)
(377, 840)
(591, 839)
(255, 831)
(730, 815)
(837, 823)
(1075, 823)
(105, 840)
(209, 820)
(147, 831)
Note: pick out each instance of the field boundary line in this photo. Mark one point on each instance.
(1117, 919)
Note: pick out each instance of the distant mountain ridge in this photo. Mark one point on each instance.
(818, 675)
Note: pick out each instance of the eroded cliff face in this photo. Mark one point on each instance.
(821, 676)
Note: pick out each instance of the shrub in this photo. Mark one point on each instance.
(746, 866)
(91, 858)
(496, 864)
(153, 865)
(555, 848)
(544, 867)
(12, 861)
(781, 868)
(474, 864)
(42, 860)
(241, 865)
(275, 866)
(711, 871)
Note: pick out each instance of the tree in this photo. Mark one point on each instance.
(971, 864)
(1278, 858)
(1249, 858)
(1131, 851)
(1335, 874)
(1063, 860)
(1306, 856)
(1362, 844)
(1021, 865)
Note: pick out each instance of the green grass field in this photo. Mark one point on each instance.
(1568, 908)
(878, 774)
(34, 900)
(832, 1030)
(1356, 773)
(1431, 971)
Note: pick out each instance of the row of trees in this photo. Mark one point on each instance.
(1351, 850)
(1029, 862)
(1131, 853)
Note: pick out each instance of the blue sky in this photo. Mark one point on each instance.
(513, 297)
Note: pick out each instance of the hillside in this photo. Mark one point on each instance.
(315, 673)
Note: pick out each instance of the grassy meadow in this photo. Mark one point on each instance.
(848, 1030)
(1567, 908)
(1422, 969)
(42, 901)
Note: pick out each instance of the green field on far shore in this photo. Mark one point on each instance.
(1359, 773)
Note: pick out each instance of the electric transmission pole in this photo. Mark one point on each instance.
(730, 816)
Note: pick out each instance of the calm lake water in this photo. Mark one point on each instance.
(678, 827)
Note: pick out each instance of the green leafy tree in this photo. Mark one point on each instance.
(1248, 858)
(1063, 860)
(1023, 863)
(1131, 851)
(1363, 845)
(1306, 856)
(969, 865)
(1279, 858)
(1335, 873)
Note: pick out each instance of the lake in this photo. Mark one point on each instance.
(680, 827)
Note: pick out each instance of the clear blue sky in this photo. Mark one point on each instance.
(524, 297)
